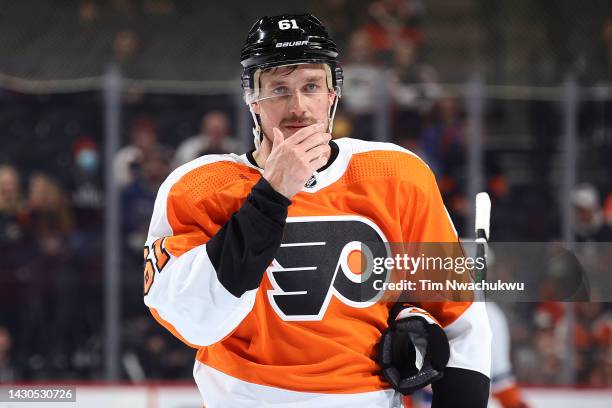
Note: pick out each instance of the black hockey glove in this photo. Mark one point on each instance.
(413, 350)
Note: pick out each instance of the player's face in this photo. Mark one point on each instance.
(293, 97)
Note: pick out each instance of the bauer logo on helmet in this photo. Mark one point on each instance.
(291, 44)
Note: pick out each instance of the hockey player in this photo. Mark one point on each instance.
(246, 258)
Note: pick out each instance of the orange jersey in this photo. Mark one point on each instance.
(306, 335)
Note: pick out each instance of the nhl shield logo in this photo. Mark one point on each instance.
(312, 181)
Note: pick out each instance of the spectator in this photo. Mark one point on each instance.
(11, 206)
(87, 196)
(86, 183)
(51, 220)
(129, 159)
(590, 225)
(392, 21)
(443, 146)
(414, 88)
(13, 231)
(46, 275)
(592, 346)
(214, 138)
(443, 140)
(364, 84)
(8, 371)
(138, 199)
(125, 46)
(88, 12)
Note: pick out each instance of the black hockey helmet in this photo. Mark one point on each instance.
(285, 40)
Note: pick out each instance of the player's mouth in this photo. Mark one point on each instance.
(295, 126)
(292, 127)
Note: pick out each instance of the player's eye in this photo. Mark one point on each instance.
(311, 88)
(280, 91)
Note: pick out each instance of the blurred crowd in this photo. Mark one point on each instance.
(51, 235)
(45, 276)
(51, 225)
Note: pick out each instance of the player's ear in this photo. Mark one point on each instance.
(256, 108)
(331, 96)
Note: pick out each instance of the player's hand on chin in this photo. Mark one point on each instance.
(292, 161)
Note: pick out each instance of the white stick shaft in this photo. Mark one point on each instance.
(483, 213)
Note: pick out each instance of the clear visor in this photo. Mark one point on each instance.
(285, 93)
(282, 88)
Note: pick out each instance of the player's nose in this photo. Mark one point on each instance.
(297, 104)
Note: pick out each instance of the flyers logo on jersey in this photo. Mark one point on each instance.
(317, 260)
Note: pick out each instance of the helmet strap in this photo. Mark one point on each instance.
(257, 133)
(332, 114)
(330, 85)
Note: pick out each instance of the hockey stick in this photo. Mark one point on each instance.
(481, 225)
